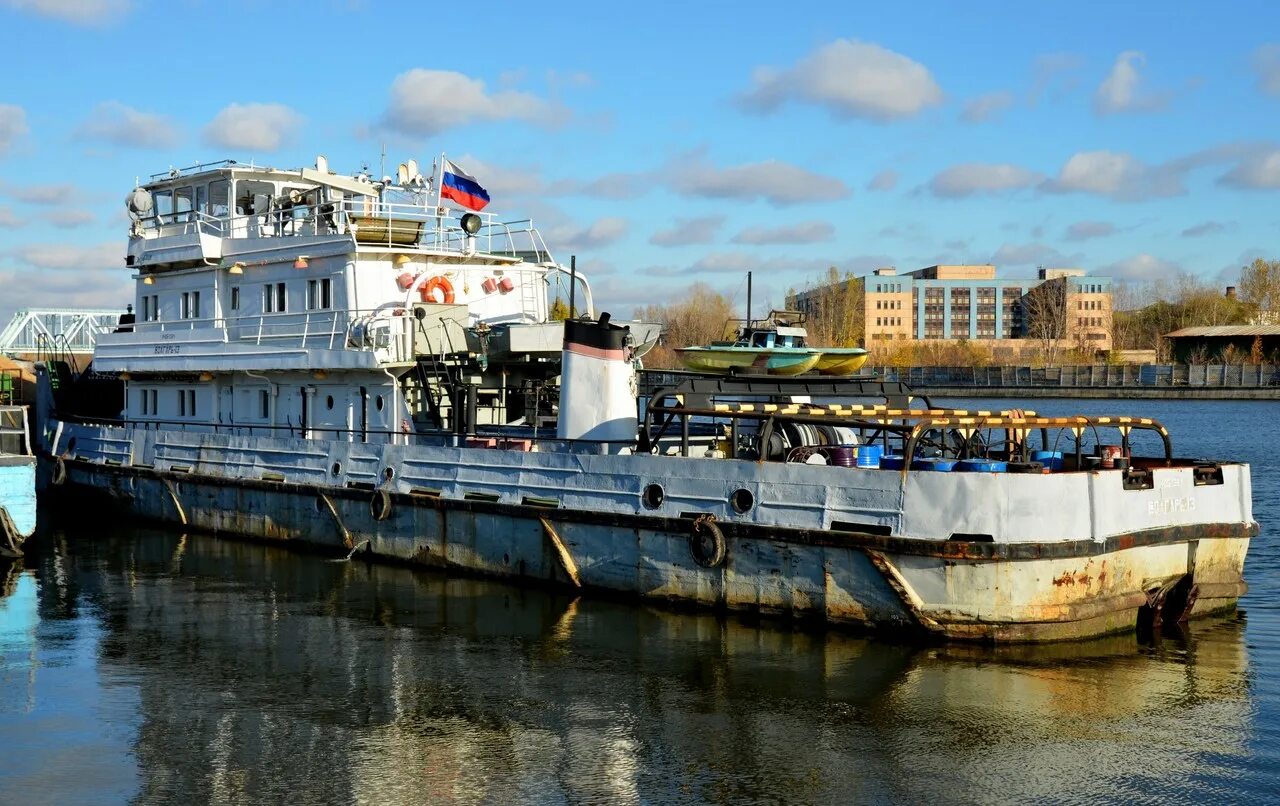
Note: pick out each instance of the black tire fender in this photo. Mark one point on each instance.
(380, 505)
(706, 542)
(59, 473)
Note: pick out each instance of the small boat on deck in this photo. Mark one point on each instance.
(775, 346)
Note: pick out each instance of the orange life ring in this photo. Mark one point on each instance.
(441, 284)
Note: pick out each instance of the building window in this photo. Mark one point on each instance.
(190, 304)
(274, 298)
(318, 296)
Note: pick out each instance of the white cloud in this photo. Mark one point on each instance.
(79, 289)
(1142, 268)
(850, 79)
(1053, 71)
(780, 183)
(70, 218)
(976, 177)
(687, 231)
(122, 125)
(1118, 176)
(601, 232)
(13, 124)
(1031, 254)
(1266, 63)
(885, 181)
(805, 232)
(108, 255)
(1123, 90)
(1204, 228)
(81, 12)
(40, 194)
(986, 107)
(253, 127)
(1259, 170)
(1084, 230)
(427, 102)
(10, 219)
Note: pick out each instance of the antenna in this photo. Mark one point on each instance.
(382, 166)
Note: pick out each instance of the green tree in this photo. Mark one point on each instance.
(559, 310)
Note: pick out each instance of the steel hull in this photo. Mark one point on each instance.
(928, 589)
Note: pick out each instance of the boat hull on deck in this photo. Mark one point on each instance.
(841, 361)
(939, 589)
(741, 359)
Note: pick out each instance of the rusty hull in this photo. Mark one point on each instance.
(942, 590)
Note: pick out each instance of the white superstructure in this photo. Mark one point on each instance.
(296, 298)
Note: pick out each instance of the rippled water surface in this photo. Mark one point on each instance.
(140, 665)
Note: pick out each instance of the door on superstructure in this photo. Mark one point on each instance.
(226, 413)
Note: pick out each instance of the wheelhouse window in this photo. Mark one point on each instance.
(219, 196)
(274, 298)
(183, 203)
(318, 294)
(163, 203)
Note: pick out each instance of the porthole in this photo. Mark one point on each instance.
(742, 500)
(652, 496)
(378, 402)
(336, 469)
(389, 474)
(328, 401)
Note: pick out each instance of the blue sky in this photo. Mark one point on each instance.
(683, 143)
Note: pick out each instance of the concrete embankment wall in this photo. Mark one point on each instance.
(1136, 381)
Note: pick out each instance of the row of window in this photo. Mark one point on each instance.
(889, 321)
(889, 288)
(1089, 305)
(275, 299)
(1089, 321)
(1091, 288)
(889, 305)
(149, 402)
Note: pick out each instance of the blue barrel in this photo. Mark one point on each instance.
(891, 462)
(869, 455)
(980, 466)
(1050, 459)
(936, 465)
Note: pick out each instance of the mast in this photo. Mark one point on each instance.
(748, 299)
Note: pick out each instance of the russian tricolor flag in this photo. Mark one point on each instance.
(462, 187)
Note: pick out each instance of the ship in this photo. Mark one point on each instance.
(357, 365)
(17, 481)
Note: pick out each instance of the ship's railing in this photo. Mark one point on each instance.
(388, 330)
(369, 221)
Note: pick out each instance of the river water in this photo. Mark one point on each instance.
(143, 666)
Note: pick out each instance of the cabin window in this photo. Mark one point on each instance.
(264, 403)
(218, 199)
(151, 308)
(235, 297)
(183, 203)
(274, 298)
(186, 402)
(202, 198)
(163, 206)
(318, 294)
(190, 304)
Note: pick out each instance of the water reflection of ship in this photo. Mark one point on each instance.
(268, 676)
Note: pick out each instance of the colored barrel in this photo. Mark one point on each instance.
(980, 466)
(891, 462)
(1050, 459)
(869, 456)
(936, 465)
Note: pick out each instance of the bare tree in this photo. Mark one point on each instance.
(834, 310)
(1260, 285)
(1045, 307)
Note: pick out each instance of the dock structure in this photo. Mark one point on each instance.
(72, 330)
